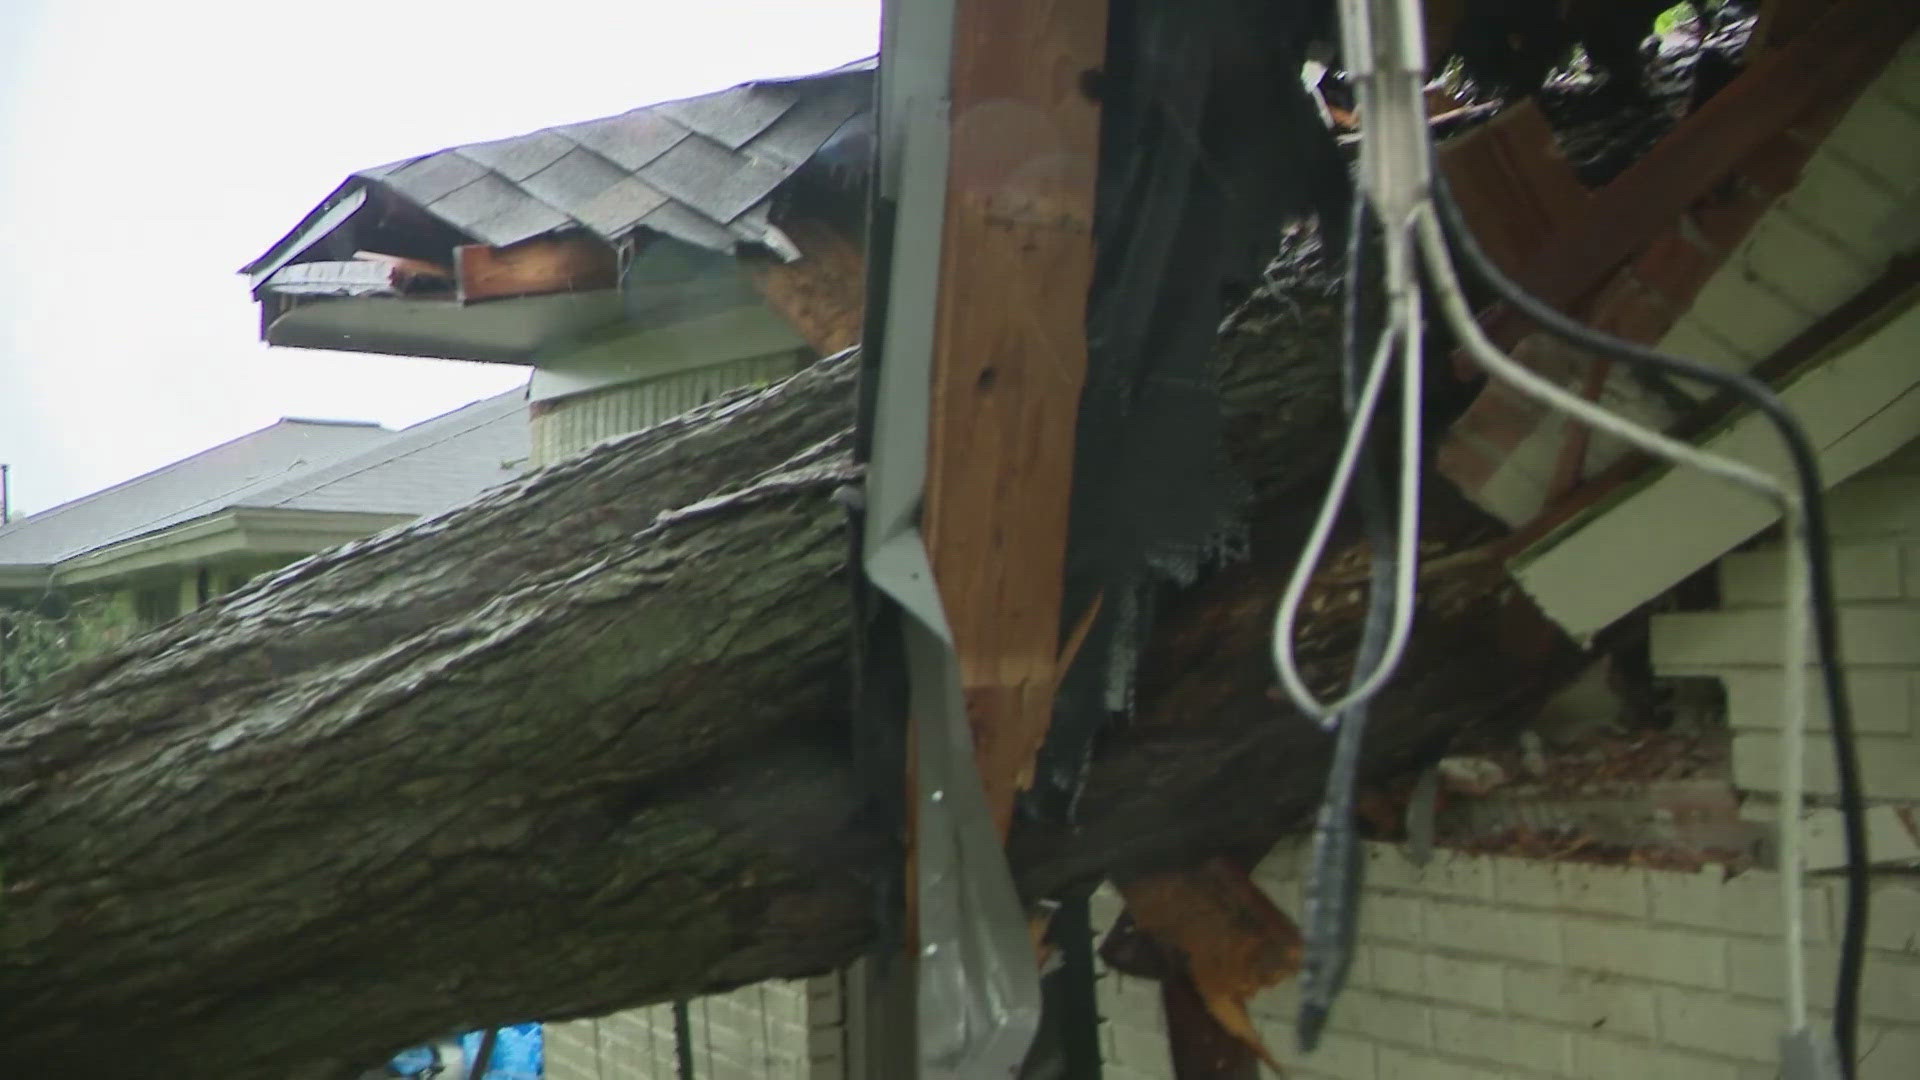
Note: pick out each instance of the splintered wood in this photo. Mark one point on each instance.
(823, 294)
(1232, 942)
(547, 264)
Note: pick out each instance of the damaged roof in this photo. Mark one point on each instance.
(701, 169)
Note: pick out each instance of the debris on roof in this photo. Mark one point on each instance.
(702, 170)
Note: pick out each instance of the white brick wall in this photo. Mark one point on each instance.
(1492, 967)
(1876, 526)
(768, 1031)
(1484, 966)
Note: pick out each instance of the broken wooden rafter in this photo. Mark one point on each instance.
(546, 264)
(1217, 930)
(1832, 59)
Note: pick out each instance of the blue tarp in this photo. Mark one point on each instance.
(516, 1055)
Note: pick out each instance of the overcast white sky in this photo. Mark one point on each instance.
(148, 150)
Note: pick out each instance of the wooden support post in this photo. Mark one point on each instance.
(1009, 359)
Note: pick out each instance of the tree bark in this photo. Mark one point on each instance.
(581, 745)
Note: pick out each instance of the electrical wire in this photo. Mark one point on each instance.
(1386, 53)
(1503, 368)
(1333, 887)
(1816, 586)
(1388, 184)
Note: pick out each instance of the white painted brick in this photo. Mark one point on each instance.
(1399, 1064)
(1846, 204)
(1874, 506)
(1502, 1039)
(1436, 978)
(1889, 984)
(1883, 700)
(1600, 1058)
(1592, 1002)
(1718, 1024)
(1747, 903)
(1893, 921)
(1280, 1004)
(1747, 314)
(1889, 765)
(1449, 873)
(1565, 886)
(1286, 862)
(1488, 931)
(825, 1004)
(1346, 1057)
(1888, 1054)
(1872, 134)
(1385, 917)
(1396, 970)
(1890, 839)
(1691, 337)
(1104, 907)
(1687, 957)
(1884, 634)
(1860, 572)
(1798, 262)
(1382, 1017)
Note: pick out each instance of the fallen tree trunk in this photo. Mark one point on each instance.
(582, 745)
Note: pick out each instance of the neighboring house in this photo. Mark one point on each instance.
(637, 263)
(164, 543)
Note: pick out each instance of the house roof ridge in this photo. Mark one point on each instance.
(42, 517)
(482, 412)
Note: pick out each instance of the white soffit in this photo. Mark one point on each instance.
(1859, 404)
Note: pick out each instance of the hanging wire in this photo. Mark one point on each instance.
(1333, 887)
(1386, 54)
(1814, 582)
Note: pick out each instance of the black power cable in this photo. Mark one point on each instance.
(1806, 467)
(1333, 894)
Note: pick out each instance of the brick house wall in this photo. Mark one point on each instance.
(1481, 967)
(1484, 966)
(768, 1031)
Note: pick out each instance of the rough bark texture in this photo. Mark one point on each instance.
(581, 745)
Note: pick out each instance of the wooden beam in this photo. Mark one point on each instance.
(824, 294)
(1200, 1048)
(1834, 58)
(1219, 931)
(1782, 20)
(1010, 358)
(546, 264)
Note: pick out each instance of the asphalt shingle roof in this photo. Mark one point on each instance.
(701, 169)
(293, 464)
